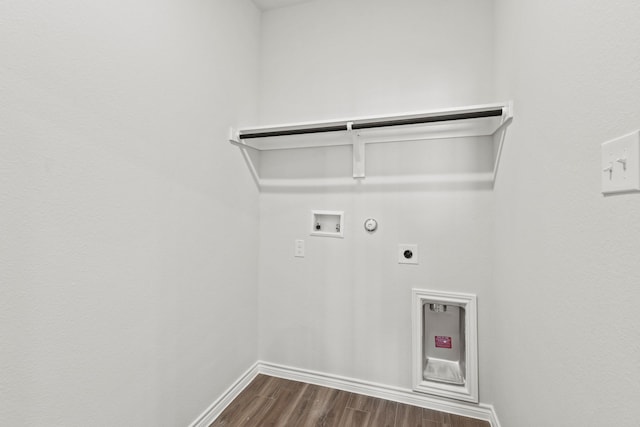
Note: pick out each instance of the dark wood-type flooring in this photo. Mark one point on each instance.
(270, 401)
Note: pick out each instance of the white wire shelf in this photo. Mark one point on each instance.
(469, 121)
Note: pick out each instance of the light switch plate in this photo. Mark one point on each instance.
(407, 254)
(621, 164)
(299, 250)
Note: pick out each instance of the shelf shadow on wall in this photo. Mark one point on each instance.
(458, 164)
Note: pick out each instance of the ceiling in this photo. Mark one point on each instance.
(274, 4)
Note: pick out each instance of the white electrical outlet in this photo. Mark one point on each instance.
(407, 254)
(299, 249)
(621, 164)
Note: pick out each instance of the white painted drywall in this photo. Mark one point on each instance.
(128, 259)
(331, 58)
(345, 308)
(565, 331)
(274, 4)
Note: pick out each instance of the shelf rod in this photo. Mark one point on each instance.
(371, 124)
(299, 131)
(429, 119)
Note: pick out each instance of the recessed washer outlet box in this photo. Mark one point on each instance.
(327, 223)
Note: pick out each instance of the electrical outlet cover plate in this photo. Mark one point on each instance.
(299, 249)
(621, 164)
(402, 259)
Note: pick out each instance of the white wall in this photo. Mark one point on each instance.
(128, 260)
(566, 327)
(334, 58)
(345, 308)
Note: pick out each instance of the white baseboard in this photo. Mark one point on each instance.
(396, 394)
(215, 409)
(481, 411)
(494, 417)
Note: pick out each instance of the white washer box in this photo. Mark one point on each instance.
(327, 223)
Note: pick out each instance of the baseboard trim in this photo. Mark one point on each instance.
(494, 417)
(215, 409)
(480, 411)
(396, 394)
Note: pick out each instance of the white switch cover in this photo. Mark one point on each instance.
(621, 164)
(299, 252)
(407, 254)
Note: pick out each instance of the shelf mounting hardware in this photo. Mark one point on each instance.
(358, 152)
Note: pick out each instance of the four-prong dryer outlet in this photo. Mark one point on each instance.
(407, 253)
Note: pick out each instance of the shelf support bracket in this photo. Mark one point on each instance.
(358, 152)
(234, 138)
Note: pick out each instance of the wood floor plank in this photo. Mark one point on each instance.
(302, 414)
(408, 416)
(431, 415)
(354, 418)
(269, 388)
(332, 413)
(314, 406)
(460, 421)
(256, 385)
(384, 414)
(232, 410)
(245, 414)
(445, 419)
(310, 406)
(303, 407)
(285, 398)
(362, 403)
